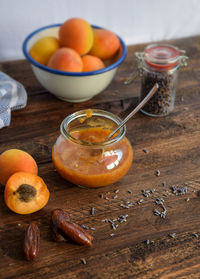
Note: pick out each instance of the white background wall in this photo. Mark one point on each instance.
(136, 21)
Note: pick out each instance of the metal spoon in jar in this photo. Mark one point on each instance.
(141, 104)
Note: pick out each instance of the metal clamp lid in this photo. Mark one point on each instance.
(161, 57)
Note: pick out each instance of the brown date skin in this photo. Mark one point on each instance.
(32, 241)
(75, 232)
(56, 216)
(67, 229)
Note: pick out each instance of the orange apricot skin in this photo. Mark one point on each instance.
(92, 63)
(21, 207)
(105, 44)
(66, 59)
(76, 33)
(14, 160)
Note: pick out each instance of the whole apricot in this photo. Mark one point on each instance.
(116, 56)
(91, 63)
(43, 49)
(66, 59)
(76, 33)
(14, 160)
(105, 44)
(25, 193)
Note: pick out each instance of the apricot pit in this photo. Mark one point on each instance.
(25, 192)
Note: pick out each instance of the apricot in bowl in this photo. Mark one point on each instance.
(25, 193)
(67, 85)
(76, 33)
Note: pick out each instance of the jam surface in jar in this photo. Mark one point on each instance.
(92, 166)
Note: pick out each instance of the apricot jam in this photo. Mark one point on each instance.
(82, 156)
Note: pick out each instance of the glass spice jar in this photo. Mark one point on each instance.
(159, 63)
(82, 156)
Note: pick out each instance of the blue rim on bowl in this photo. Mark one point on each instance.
(35, 63)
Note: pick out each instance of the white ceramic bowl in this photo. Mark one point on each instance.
(70, 86)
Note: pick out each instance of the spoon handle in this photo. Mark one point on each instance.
(141, 104)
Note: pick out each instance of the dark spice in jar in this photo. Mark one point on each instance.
(162, 103)
(159, 63)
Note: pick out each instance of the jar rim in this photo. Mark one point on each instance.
(163, 56)
(95, 112)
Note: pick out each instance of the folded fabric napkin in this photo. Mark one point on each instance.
(13, 96)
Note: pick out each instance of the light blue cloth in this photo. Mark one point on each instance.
(13, 96)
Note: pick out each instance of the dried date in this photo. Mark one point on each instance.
(32, 241)
(56, 216)
(67, 229)
(75, 232)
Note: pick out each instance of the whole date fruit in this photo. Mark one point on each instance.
(56, 216)
(63, 227)
(32, 241)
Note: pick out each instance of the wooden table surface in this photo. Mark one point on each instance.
(146, 245)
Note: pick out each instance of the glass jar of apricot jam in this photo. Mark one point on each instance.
(83, 156)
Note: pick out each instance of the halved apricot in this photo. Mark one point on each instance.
(25, 193)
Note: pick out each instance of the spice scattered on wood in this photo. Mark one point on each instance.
(160, 201)
(195, 235)
(84, 227)
(172, 235)
(92, 211)
(140, 201)
(157, 173)
(116, 191)
(166, 194)
(148, 242)
(104, 220)
(127, 204)
(83, 260)
(178, 191)
(114, 223)
(147, 193)
(101, 196)
(156, 212)
(145, 150)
